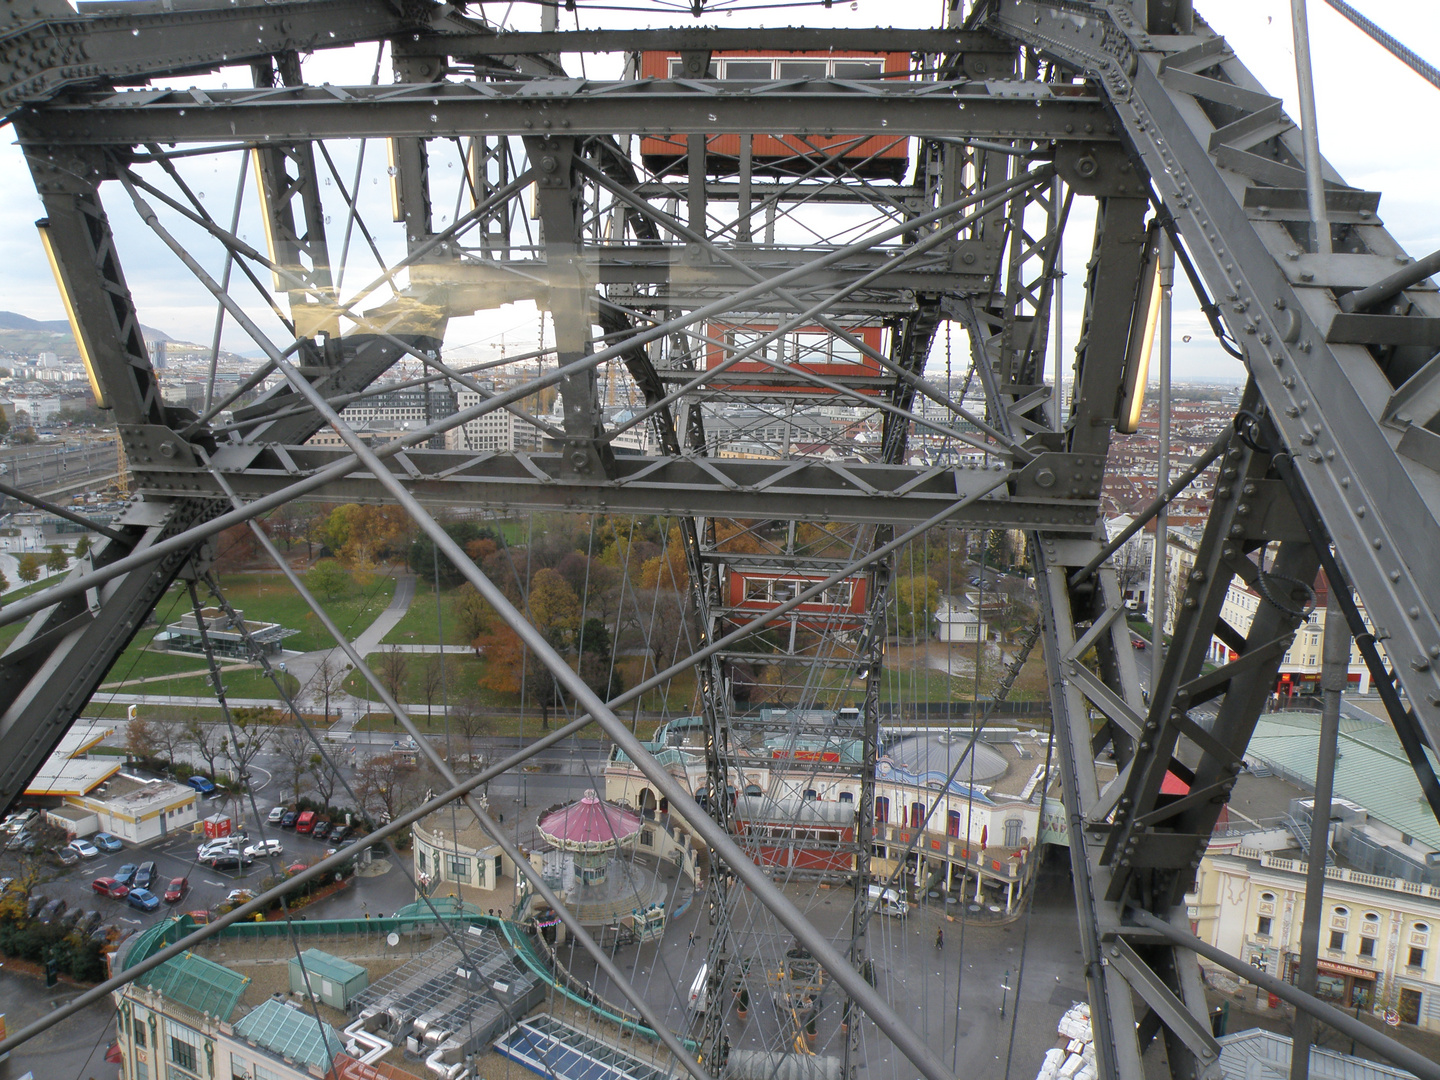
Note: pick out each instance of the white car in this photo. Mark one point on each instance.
(211, 848)
(275, 815)
(261, 850)
(84, 849)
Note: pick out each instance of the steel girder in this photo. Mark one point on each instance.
(1222, 155)
(1224, 161)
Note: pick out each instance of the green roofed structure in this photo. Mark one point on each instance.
(200, 985)
(329, 978)
(290, 1034)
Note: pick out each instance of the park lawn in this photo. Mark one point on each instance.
(137, 663)
(462, 671)
(509, 726)
(419, 626)
(269, 598)
(251, 683)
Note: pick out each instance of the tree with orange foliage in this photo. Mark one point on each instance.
(667, 570)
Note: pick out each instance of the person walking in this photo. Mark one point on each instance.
(939, 939)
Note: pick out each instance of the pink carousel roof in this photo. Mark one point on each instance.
(589, 822)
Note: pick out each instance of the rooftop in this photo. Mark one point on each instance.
(136, 795)
(290, 1033)
(1371, 771)
(200, 985)
(72, 776)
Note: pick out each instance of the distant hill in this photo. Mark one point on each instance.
(10, 320)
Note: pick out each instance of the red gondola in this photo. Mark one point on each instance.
(873, 157)
(803, 834)
(840, 607)
(809, 348)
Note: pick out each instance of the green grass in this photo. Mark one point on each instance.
(461, 675)
(252, 683)
(269, 598)
(419, 626)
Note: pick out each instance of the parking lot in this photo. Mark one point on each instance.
(174, 856)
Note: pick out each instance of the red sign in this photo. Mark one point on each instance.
(806, 755)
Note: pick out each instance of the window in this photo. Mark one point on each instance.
(1367, 946)
(952, 823)
(1262, 926)
(882, 809)
(183, 1054)
(1342, 912)
(749, 69)
(847, 796)
(917, 814)
(857, 69)
(802, 69)
(139, 1031)
(1267, 897)
(1417, 956)
(459, 869)
(1421, 928)
(1337, 940)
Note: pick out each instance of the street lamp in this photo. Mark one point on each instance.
(1004, 990)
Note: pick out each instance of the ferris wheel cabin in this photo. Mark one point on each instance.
(869, 157)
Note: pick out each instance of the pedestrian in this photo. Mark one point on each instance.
(939, 939)
(692, 937)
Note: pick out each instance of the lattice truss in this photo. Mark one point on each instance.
(743, 246)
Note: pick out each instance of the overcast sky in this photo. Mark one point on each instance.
(1371, 121)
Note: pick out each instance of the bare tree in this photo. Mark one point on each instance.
(251, 735)
(169, 738)
(393, 669)
(323, 777)
(467, 723)
(386, 786)
(432, 680)
(326, 684)
(294, 749)
(206, 740)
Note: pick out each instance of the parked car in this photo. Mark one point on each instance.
(108, 886)
(239, 896)
(52, 910)
(176, 890)
(264, 849)
(107, 841)
(66, 856)
(22, 842)
(144, 877)
(203, 784)
(339, 834)
(275, 815)
(84, 848)
(231, 861)
(305, 822)
(38, 901)
(296, 867)
(126, 874)
(18, 820)
(143, 899)
(215, 847)
(103, 932)
(290, 818)
(87, 921)
(321, 829)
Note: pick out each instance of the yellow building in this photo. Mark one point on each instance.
(1379, 936)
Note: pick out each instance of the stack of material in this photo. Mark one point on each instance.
(1074, 1058)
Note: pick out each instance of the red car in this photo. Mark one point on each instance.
(176, 890)
(108, 886)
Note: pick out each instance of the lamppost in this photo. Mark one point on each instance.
(1004, 991)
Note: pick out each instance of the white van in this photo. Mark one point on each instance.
(887, 902)
(700, 991)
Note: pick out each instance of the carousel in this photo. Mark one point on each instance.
(594, 863)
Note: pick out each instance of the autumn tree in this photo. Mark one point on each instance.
(57, 559)
(511, 668)
(29, 567)
(667, 570)
(914, 598)
(424, 552)
(360, 536)
(82, 546)
(235, 548)
(554, 607)
(472, 614)
(140, 739)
